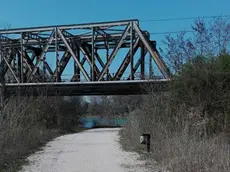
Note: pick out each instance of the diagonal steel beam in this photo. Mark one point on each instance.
(112, 56)
(62, 63)
(87, 54)
(82, 49)
(11, 69)
(87, 51)
(82, 63)
(28, 61)
(138, 64)
(49, 69)
(159, 62)
(27, 64)
(105, 36)
(51, 38)
(126, 61)
(102, 63)
(84, 60)
(73, 55)
(3, 64)
(98, 58)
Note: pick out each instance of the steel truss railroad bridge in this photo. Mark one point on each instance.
(26, 55)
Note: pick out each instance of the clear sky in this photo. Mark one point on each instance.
(26, 13)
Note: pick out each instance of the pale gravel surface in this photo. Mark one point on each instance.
(96, 150)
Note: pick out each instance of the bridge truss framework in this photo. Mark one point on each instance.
(24, 52)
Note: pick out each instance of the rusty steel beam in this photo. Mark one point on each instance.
(30, 65)
(77, 74)
(28, 62)
(66, 27)
(93, 49)
(161, 65)
(41, 57)
(62, 64)
(138, 63)
(131, 51)
(112, 56)
(90, 58)
(84, 38)
(11, 70)
(3, 65)
(73, 55)
(98, 58)
(49, 69)
(142, 60)
(126, 61)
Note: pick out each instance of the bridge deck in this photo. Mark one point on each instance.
(88, 88)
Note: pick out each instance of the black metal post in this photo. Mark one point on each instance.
(148, 142)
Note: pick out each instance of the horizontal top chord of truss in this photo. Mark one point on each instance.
(100, 25)
(91, 48)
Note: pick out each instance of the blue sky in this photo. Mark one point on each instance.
(26, 13)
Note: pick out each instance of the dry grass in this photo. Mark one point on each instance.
(26, 123)
(23, 127)
(179, 149)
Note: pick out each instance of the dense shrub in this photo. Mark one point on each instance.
(205, 84)
(190, 123)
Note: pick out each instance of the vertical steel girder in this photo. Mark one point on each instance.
(131, 51)
(98, 58)
(89, 58)
(93, 78)
(126, 61)
(138, 63)
(57, 56)
(76, 76)
(62, 64)
(83, 48)
(142, 61)
(21, 58)
(112, 56)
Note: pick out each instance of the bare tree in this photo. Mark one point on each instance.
(207, 39)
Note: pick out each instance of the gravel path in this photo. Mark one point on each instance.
(96, 150)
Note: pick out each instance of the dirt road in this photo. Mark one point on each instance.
(95, 150)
